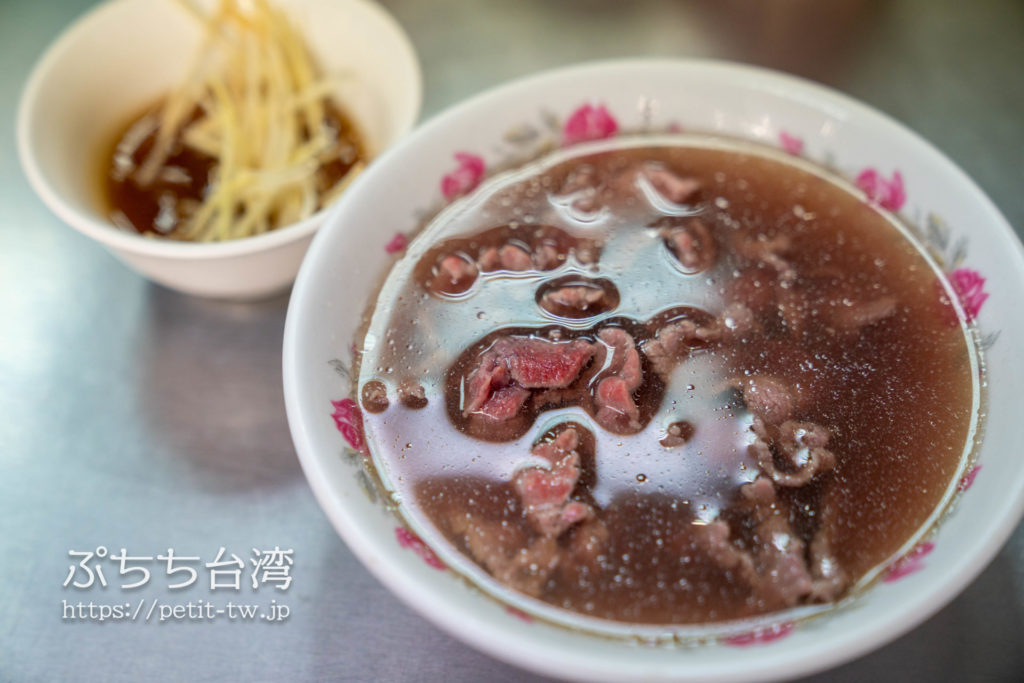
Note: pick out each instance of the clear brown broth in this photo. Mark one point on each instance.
(897, 396)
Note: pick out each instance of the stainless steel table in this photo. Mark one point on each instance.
(133, 417)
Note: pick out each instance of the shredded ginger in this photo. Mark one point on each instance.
(254, 101)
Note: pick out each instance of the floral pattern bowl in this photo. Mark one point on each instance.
(449, 156)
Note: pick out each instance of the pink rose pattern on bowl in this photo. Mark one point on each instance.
(407, 539)
(791, 144)
(909, 563)
(397, 244)
(970, 287)
(968, 479)
(888, 194)
(466, 176)
(349, 421)
(761, 636)
(590, 122)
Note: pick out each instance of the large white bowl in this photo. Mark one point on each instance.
(345, 264)
(126, 54)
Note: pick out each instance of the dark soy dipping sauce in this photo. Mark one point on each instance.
(164, 205)
(802, 283)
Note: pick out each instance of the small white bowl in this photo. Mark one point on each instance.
(345, 265)
(126, 54)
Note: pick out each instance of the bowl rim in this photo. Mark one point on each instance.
(490, 636)
(143, 245)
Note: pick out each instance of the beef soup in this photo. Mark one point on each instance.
(670, 381)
